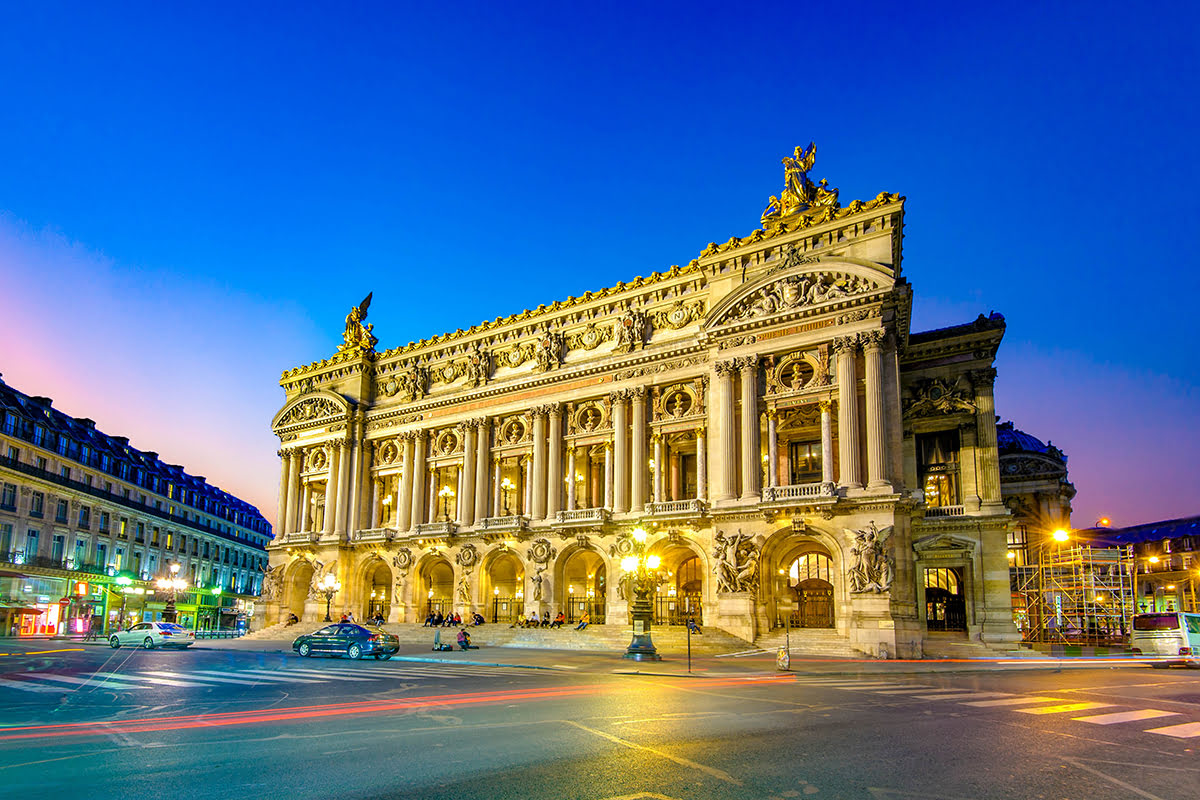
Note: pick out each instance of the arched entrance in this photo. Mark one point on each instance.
(810, 578)
(437, 586)
(296, 591)
(945, 601)
(584, 579)
(376, 590)
(680, 595)
(505, 585)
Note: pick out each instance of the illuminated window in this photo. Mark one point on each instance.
(37, 504)
(937, 460)
(804, 460)
(1018, 545)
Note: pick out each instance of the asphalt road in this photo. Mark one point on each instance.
(228, 722)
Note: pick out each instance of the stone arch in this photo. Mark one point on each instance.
(502, 584)
(373, 588)
(296, 584)
(582, 577)
(320, 405)
(689, 587)
(434, 585)
(780, 551)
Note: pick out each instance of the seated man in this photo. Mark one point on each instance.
(477, 618)
(558, 620)
(583, 621)
(464, 640)
(533, 619)
(692, 626)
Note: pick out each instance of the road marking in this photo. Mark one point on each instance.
(1012, 701)
(1127, 787)
(1126, 716)
(1188, 730)
(962, 694)
(178, 675)
(1063, 709)
(716, 773)
(26, 686)
(315, 673)
(46, 676)
(852, 685)
(116, 676)
(266, 675)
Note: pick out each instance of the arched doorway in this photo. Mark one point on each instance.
(945, 601)
(377, 590)
(810, 579)
(437, 584)
(584, 579)
(679, 596)
(296, 593)
(506, 584)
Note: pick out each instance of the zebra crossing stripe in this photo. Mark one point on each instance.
(179, 675)
(963, 694)
(81, 682)
(910, 690)
(27, 686)
(322, 674)
(1012, 701)
(1063, 709)
(1188, 730)
(1126, 716)
(268, 675)
(116, 676)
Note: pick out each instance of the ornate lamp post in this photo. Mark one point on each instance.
(329, 586)
(174, 585)
(446, 493)
(507, 486)
(641, 572)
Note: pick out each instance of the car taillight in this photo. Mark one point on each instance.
(374, 637)
(1185, 651)
(167, 633)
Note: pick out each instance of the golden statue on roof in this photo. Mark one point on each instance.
(357, 337)
(799, 193)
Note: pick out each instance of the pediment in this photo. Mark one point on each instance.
(797, 283)
(945, 542)
(312, 409)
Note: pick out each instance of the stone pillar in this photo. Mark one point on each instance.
(877, 433)
(658, 468)
(526, 484)
(772, 450)
(701, 465)
(466, 476)
(845, 348)
(676, 461)
(554, 477)
(345, 478)
(331, 488)
(608, 475)
(725, 451)
(404, 493)
(497, 499)
(985, 440)
(431, 495)
(637, 449)
(826, 443)
(285, 462)
(376, 522)
(751, 449)
(295, 510)
(304, 511)
(620, 406)
(418, 480)
(483, 451)
(570, 477)
(538, 504)
(366, 456)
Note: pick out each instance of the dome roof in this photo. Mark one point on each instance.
(1011, 440)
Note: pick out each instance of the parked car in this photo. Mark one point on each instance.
(348, 639)
(153, 634)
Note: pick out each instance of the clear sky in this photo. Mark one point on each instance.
(192, 198)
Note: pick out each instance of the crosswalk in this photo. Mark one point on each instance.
(1036, 705)
(49, 682)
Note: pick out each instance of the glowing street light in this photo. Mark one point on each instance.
(446, 493)
(329, 586)
(641, 571)
(507, 487)
(1061, 535)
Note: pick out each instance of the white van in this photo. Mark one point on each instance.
(1169, 637)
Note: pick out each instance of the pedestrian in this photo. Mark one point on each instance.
(692, 626)
(583, 621)
(345, 617)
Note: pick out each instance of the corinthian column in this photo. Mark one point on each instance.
(483, 451)
(845, 348)
(418, 479)
(404, 496)
(332, 490)
(701, 465)
(751, 448)
(620, 404)
(285, 458)
(722, 422)
(985, 442)
(637, 454)
(772, 450)
(608, 475)
(294, 509)
(876, 414)
(826, 443)
(658, 467)
(570, 477)
(466, 477)
(539, 464)
(554, 477)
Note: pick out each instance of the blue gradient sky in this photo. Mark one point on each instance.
(191, 199)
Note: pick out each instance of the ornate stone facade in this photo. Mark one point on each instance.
(764, 413)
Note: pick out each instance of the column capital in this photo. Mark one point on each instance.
(845, 345)
(873, 340)
(745, 363)
(637, 393)
(772, 413)
(724, 367)
(982, 378)
(825, 406)
(701, 430)
(618, 396)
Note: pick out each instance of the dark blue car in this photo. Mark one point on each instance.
(348, 639)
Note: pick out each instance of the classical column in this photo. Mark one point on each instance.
(497, 500)
(331, 487)
(751, 449)
(637, 453)
(570, 477)
(526, 486)
(538, 500)
(676, 460)
(404, 493)
(418, 479)
(826, 443)
(620, 406)
(431, 495)
(608, 475)
(285, 464)
(772, 450)
(304, 512)
(366, 456)
(658, 468)
(985, 440)
(845, 347)
(483, 450)
(376, 522)
(554, 472)
(876, 414)
(701, 464)
(725, 453)
(466, 476)
(345, 476)
(295, 510)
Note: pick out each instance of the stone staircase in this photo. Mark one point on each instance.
(282, 631)
(809, 642)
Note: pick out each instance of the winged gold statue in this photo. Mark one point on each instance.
(357, 336)
(799, 192)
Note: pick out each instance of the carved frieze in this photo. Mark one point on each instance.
(629, 331)
(312, 409)
(591, 337)
(934, 396)
(797, 291)
(679, 315)
(662, 366)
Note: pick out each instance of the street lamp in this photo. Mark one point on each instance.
(641, 572)
(124, 582)
(446, 493)
(174, 585)
(507, 486)
(329, 586)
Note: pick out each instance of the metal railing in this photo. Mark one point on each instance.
(945, 511)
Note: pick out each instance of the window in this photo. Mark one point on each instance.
(60, 513)
(1018, 546)
(37, 504)
(937, 464)
(39, 435)
(168, 540)
(10, 423)
(41, 463)
(65, 471)
(85, 517)
(87, 479)
(141, 532)
(8, 500)
(101, 554)
(5, 540)
(804, 462)
(119, 558)
(31, 544)
(80, 552)
(104, 522)
(122, 532)
(154, 537)
(58, 547)
(14, 454)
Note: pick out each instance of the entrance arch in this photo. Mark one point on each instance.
(945, 599)
(376, 590)
(437, 586)
(585, 577)
(681, 595)
(296, 591)
(810, 579)
(504, 587)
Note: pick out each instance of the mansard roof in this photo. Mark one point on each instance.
(1139, 534)
(31, 411)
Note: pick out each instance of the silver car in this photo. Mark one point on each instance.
(153, 634)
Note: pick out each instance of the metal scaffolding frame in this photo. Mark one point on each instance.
(1082, 595)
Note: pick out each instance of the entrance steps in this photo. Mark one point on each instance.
(605, 638)
(809, 642)
(954, 646)
(282, 631)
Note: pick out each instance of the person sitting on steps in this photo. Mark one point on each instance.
(583, 621)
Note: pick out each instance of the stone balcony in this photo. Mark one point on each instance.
(798, 493)
(512, 522)
(938, 512)
(300, 537)
(584, 517)
(677, 509)
(374, 535)
(436, 529)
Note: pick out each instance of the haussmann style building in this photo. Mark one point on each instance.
(794, 452)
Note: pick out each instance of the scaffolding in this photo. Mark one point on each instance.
(1081, 595)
